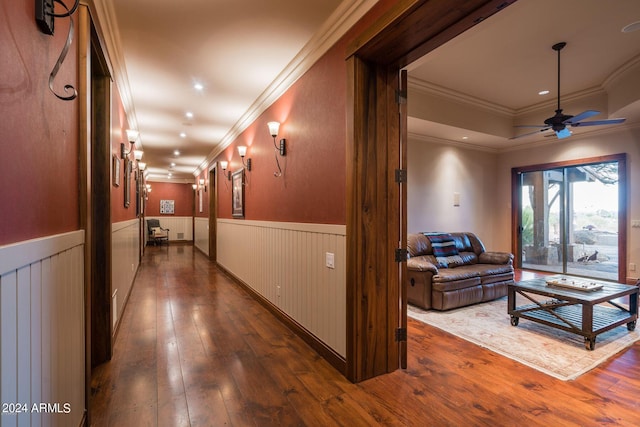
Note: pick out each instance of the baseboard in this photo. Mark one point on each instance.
(334, 359)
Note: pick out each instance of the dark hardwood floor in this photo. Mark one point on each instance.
(193, 349)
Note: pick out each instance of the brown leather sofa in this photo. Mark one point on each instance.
(460, 272)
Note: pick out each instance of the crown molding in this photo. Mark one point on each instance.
(340, 21)
(429, 88)
(442, 141)
(551, 104)
(621, 71)
(106, 25)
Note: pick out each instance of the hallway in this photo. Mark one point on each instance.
(194, 349)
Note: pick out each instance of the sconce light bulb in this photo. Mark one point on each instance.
(242, 150)
(224, 164)
(274, 127)
(132, 135)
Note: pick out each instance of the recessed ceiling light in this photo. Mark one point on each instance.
(198, 86)
(465, 137)
(176, 152)
(189, 115)
(173, 165)
(183, 135)
(543, 92)
(631, 27)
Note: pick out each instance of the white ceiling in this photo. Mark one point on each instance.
(245, 52)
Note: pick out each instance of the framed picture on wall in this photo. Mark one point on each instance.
(116, 171)
(167, 207)
(237, 194)
(127, 182)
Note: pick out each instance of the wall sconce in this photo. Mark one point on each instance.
(132, 136)
(242, 150)
(137, 154)
(194, 186)
(202, 184)
(281, 149)
(223, 165)
(45, 17)
(142, 166)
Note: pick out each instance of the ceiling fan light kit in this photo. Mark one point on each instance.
(559, 122)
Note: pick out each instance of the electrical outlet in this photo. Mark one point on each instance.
(329, 259)
(278, 291)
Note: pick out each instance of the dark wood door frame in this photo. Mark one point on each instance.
(213, 214)
(94, 168)
(408, 31)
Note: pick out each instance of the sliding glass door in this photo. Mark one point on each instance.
(569, 219)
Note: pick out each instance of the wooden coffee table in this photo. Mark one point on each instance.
(586, 313)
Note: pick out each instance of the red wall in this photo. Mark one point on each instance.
(38, 132)
(182, 194)
(119, 126)
(312, 114)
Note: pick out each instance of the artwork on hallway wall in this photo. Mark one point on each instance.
(237, 194)
(127, 182)
(115, 170)
(167, 207)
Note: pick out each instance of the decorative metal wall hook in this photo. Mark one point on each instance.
(45, 18)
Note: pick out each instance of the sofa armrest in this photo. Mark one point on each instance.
(421, 264)
(495, 258)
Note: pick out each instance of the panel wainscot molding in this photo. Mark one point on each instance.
(202, 234)
(42, 336)
(125, 259)
(286, 264)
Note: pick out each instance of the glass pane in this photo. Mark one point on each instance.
(542, 219)
(593, 229)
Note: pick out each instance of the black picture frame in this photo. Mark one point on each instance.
(127, 182)
(237, 194)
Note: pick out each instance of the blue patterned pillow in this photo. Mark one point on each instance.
(443, 244)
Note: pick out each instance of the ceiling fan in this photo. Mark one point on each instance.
(559, 122)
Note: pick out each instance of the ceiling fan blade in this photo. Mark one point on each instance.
(582, 116)
(530, 133)
(598, 122)
(531, 126)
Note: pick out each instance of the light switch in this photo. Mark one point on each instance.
(456, 199)
(329, 260)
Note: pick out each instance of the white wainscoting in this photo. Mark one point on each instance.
(42, 333)
(285, 263)
(202, 234)
(125, 259)
(180, 227)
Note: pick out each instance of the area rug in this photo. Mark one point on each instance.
(557, 353)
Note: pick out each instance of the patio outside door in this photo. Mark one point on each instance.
(569, 220)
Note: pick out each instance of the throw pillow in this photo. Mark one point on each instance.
(443, 245)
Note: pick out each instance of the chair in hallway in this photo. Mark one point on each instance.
(157, 234)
